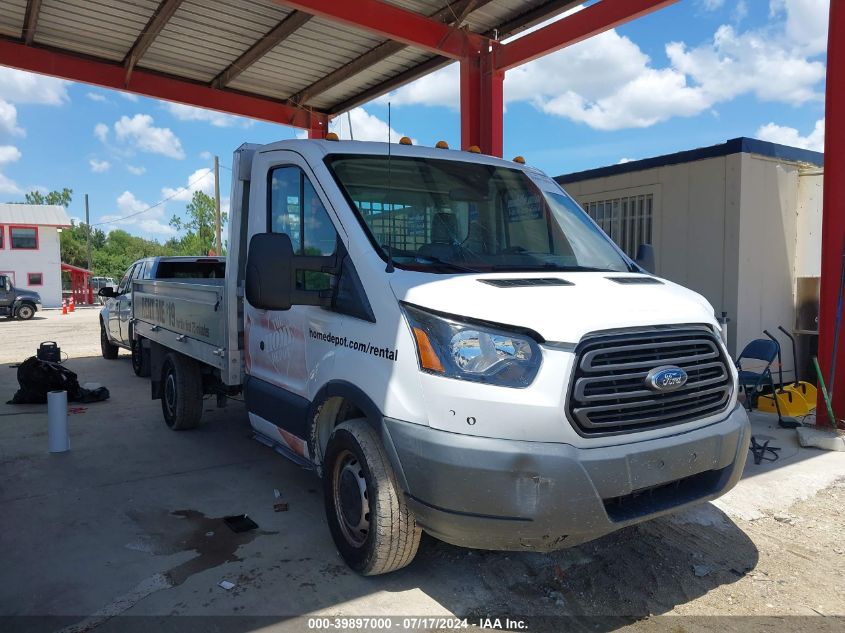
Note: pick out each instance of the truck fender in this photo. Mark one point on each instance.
(355, 396)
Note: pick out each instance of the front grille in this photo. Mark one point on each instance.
(662, 497)
(608, 393)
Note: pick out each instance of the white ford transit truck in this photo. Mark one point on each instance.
(452, 344)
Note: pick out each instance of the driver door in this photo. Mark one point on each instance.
(6, 294)
(117, 304)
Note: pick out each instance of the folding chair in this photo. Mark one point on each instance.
(764, 350)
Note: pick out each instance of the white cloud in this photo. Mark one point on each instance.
(217, 119)
(140, 131)
(95, 96)
(440, 88)
(129, 96)
(17, 86)
(711, 5)
(740, 11)
(101, 131)
(137, 171)
(790, 136)
(365, 127)
(8, 154)
(99, 166)
(201, 180)
(806, 22)
(622, 161)
(608, 83)
(9, 120)
(145, 219)
(206, 155)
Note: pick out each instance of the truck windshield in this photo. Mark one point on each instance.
(454, 216)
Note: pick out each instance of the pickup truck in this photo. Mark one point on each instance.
(115, 326)
(453, 346)
(17, 302)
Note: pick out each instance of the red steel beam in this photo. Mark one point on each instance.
(395, 23)
(572, 29)
(833, 216)
(482, 104)
(318, 129)
(112, 75)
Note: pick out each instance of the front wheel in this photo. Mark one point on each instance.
(369, 520)
(25, 312)
(108, 349)
(181, 392)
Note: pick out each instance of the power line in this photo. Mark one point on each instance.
(160, 202)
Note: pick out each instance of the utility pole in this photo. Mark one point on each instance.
(88, 230)
(217, 228)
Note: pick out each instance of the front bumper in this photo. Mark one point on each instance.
(513, 495)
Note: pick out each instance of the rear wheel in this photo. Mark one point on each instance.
(25, 312)
(108, 349)
(181, 392)
(140, 358)
(370, 522)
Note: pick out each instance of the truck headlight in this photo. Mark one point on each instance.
(472, 351)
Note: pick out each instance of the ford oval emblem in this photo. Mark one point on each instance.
(666, 378)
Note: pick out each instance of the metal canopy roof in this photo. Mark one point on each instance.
(262, 50)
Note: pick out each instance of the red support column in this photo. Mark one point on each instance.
(318, 127)
(833, 216)
(482, 104)
(470, 101)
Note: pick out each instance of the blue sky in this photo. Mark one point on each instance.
(694, 74)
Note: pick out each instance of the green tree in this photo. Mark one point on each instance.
(62, 197)
(198, 226)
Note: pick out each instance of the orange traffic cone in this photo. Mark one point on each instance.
(72, 306)
(64, 306)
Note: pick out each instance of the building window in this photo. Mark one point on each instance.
(24, 237)
(2, 237)
(34, 279)
(628, 221)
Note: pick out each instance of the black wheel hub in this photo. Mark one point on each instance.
(170, 392)
(351, 498)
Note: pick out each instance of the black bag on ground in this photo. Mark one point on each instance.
(37, 377)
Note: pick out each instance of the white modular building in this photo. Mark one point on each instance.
(739, 222)
(30, 253)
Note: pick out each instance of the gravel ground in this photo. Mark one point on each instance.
(77, 334)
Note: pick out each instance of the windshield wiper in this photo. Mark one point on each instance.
(443, 262)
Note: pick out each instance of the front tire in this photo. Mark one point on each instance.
(108, 349)
(25, 312)
(181, 392)
(371, 525)
(140, 359)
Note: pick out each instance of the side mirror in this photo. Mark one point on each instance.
(271, 272)
(106, 291)
(645, 257)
